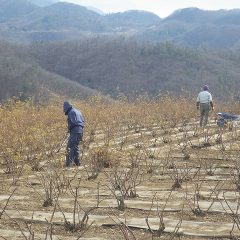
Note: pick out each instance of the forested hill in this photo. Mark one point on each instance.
(121, 65)
(110, 66)
(21, 76)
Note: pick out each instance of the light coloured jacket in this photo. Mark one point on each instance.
(204, 97)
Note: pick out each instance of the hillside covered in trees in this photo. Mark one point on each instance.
(130, 67)
(113, 66)
(21, 76)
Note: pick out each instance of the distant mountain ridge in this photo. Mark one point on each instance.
(43, 3)
(10, 9)
(95, 10)
(132, 18)
(197, 28)
(25, 21)
(62, 16)
(195, 15)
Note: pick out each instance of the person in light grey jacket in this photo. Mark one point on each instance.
(205, 104)
(75, 128)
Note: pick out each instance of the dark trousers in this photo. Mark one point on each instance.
(73, 150)
(204, 113)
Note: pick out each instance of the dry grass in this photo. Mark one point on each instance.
(140, 160)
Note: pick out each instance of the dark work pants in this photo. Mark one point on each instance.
(204, 113)
(73, 150)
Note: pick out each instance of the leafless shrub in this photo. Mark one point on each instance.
(91, 134)
(7, 202)
(49, 230)
(125, 230)
(30, 234)
(99, 159)
(123, 184)
(166, 139)
(53, 183)
(234, 215)
(195, 130)
(221, 144)
(184, 144)
(160, 232)
(135, 156)
(207, 139)
(62, 180)
(180, 174)
(235, 175)
(14, 169)
(151, 160)
(193, 203)
(161, 228)
(208, 167)
(78, 223)
(48, 186)
(196, 210)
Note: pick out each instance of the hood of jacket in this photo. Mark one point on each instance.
(66, 107)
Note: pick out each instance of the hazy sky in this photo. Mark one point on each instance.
(161, 7)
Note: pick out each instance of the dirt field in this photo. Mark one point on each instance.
(150, 183)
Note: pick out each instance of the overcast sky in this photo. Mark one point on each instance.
(161, 7)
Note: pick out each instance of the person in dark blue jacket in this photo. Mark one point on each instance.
(75, 128)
